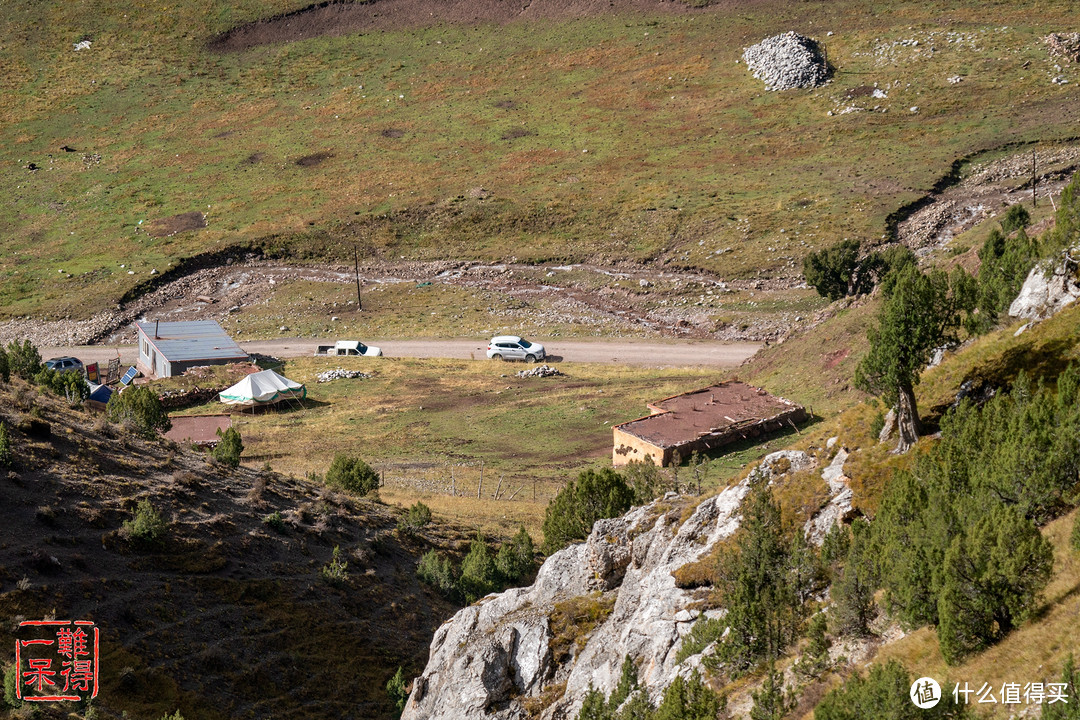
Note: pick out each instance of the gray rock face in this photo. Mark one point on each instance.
(782, 462)
(787, 61)
(838, 508)
(1045, 293)
(491, 657)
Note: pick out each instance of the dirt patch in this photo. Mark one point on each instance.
(836, 357)
(517, 132)
(392, 133)
(198, 429)
(253, 159)
(344, 18)
(860, 91)
(507, 105)
(164, 227)
(314, 159)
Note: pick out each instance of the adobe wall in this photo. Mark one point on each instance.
(627, 447)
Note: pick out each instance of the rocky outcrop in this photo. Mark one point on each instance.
(494, 657)
(839, 508)
(1046, 291)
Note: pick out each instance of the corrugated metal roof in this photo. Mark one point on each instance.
(193, 340)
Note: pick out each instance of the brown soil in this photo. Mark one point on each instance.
(253, 159)
(343, 18)
(392, 133)
(198, 429)
(515, 133)
(314, 159)
(164, 227)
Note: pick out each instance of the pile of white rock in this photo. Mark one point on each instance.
(342, 374)
(787, 61)
(540, 371)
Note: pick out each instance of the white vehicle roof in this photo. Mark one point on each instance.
(348, 344)
(506, 339)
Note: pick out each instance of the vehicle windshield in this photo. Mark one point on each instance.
(525, 343)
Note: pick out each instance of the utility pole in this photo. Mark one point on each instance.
(1034, 180)
(356, 267)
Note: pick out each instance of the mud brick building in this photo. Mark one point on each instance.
(702, 420)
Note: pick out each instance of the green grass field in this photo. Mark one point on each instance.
(429, 426)
(688, 160)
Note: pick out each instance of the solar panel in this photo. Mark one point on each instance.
(129, 376)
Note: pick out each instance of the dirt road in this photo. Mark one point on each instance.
(655, 354)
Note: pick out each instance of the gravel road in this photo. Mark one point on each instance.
(655, 354)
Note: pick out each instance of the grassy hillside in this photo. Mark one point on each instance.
(228, 616)
(616, 136)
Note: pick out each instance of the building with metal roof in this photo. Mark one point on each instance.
(170, 348)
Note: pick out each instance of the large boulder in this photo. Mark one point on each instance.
(1048, 289)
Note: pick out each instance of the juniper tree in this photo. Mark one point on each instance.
(479, 575)
(593, 496)
(994, 573)
(919, 314)
(754, 581)
(516, 557)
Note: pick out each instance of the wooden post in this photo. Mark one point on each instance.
(498, 489)
(1034, 181)
(480, 487)
(453, 482)
(514, 493)
(356, 267)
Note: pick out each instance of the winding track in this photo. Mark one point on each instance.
(676, 353)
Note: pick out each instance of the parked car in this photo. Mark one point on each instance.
(512, 347)
(63, 364)
(348, 347)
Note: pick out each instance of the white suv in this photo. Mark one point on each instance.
(512, 347)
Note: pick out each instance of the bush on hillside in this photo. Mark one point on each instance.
(5, 366)
(437, 571)
(336, 571)
(883, 693)
(516, 558)
(70, 384)
(229, 447)
(594, 495)
(352, 474)
(7, 458)
(395, 690)
(146, 526)
(479, 574)
(138, 409)
(24, 359)
(417, 516)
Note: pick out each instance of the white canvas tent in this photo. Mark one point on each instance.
(262, 388)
